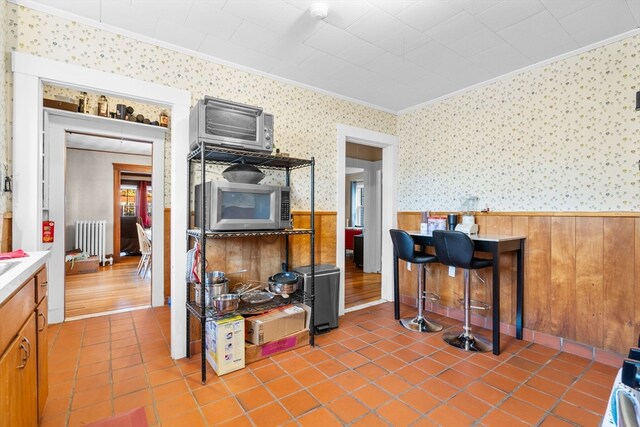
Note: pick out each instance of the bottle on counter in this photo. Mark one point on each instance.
(164, 119)
(82, 102)
(103, 106)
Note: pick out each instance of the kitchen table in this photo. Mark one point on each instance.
(494, 245)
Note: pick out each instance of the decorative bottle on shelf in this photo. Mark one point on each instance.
(82, 102)
(103, 106)
(164, 119)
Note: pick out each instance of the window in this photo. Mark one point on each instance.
(128, 200)
(357, 203)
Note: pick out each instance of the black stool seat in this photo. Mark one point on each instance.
(404, 248)
(456, 249)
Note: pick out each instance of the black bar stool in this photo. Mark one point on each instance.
(405, 249)
(454, 248)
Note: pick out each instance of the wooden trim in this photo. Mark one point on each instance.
(615, 214)
(118, 169)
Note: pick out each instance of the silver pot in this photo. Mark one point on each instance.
(226, 303)
(211, 291)
(284, 283)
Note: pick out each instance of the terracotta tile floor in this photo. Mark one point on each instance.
(368, 372)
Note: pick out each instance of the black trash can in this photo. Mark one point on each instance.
(327, 285)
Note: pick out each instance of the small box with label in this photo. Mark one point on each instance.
(225, 344)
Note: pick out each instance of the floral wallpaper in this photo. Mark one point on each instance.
(305, 121)
(563, 137)
(5, 201)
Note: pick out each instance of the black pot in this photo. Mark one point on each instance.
(285, 282)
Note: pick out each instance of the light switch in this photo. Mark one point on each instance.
(409, 266)
(452, 271)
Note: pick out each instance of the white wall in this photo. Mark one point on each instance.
(89, 189)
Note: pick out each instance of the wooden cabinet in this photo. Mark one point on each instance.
(18, 379)
(43, 354)
(24, 353)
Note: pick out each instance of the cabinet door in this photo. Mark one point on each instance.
(18, 370)
(43, 354)
(42, 284)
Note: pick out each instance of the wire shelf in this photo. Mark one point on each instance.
(249, 309)
(227, 156)
(195, 232)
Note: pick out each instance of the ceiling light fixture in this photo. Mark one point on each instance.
(319, 11)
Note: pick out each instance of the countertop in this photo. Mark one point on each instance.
(18, 274)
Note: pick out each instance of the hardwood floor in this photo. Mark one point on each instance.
(111, 288)
(360, 287)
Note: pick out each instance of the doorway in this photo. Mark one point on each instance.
(363, 196)
(30, 72)
(104, 282)
(388, 205)
(79, 161)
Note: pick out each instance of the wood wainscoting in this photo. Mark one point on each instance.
(582, 275)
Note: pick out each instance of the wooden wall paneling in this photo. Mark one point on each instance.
(520, 227)
(563, 277)
(637, 277)
(589, 301)
(619, 302)
(327, 237)
(299, 245)
(538, 274)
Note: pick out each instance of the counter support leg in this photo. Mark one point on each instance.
(496, 302)
(520, 290)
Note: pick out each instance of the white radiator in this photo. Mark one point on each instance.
(91, 237)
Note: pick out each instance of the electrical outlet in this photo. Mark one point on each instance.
(452, 271)
(409, 266)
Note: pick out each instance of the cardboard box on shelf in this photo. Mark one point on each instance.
(253, 352)
(225, 344)
(276, 323)
(79, 266)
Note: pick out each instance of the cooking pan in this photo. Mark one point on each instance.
(285, 282)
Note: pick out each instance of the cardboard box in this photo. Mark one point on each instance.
(276, 324)
(253, 352)
(79, 266)
(224, 344)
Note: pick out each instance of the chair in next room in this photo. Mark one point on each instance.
(455, 249)
(405, 249)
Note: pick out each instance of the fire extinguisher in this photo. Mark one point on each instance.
(48, 228)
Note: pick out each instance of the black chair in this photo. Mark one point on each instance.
(404, 248)
(454, 248)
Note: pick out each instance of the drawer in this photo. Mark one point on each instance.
(15, 312)
(42, 284)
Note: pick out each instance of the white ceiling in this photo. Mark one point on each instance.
(393, 54)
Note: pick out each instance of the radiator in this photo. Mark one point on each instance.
(91, 237)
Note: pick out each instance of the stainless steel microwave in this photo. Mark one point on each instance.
(232, 206)
(223, 123)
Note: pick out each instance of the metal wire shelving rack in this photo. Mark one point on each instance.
(204, 154)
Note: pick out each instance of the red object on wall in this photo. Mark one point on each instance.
(47, 231)
(348, 236)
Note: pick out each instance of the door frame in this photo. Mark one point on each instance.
(390, 146)
(30, 72)
(118, 168)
